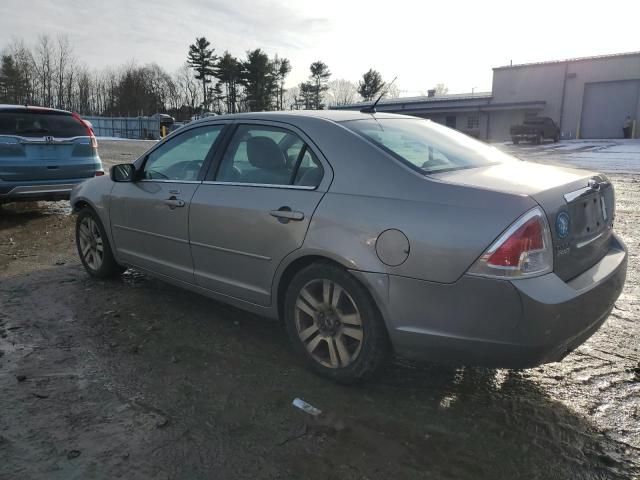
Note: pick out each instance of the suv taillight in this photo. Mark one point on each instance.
(87, 126)
(523, 250)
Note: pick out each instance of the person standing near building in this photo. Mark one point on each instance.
(626, 128)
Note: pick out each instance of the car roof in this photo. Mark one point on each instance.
(34, 108)
(293, 115)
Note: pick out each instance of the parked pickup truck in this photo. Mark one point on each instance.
(535, 130)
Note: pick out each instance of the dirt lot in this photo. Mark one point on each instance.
(137, 379)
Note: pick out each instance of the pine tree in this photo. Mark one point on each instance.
(228, 71)
(258, 80)
(282, 68)
(370, 85)
(202, 60)
(319, 80)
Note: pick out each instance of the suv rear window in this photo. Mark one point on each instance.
(427, 146)
(40, 124)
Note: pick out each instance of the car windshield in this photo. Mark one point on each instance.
(427, 146)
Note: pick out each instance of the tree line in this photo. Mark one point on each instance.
(49, 74)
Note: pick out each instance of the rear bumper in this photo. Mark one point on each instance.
(524, 136)
(508, 324)
(11, 192)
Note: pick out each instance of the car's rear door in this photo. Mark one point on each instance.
(150, 217)
(254, 209)
(41, 144)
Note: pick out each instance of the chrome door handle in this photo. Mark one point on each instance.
(285, 213)
(173, 202)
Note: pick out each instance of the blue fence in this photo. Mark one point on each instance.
(141, 128)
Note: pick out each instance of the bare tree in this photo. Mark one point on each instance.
(393, 91)
(441, 89)
(62, 69)
(188, 86)
(43, 66)
(290, 98)
(342, 92)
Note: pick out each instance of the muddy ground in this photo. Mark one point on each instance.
(137, 379)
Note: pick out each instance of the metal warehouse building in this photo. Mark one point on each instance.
(587, 97)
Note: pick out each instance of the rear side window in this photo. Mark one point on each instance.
(427, 146)
(265, 155)
(40, 124)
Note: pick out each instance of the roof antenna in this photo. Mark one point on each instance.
(372, 108)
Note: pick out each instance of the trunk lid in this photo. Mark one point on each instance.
(579, 205)
(38, 144)
(26, 159)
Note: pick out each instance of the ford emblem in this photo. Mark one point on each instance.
(562, 224)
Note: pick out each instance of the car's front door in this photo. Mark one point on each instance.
(150, 216)
(254, 210)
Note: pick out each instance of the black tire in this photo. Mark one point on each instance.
(374, 345)
(556, 139)
(538, 140)
(516, 141)
(108, 268)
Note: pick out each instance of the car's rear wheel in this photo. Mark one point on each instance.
(334, 324)
(93, 246)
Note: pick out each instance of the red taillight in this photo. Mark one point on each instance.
(90, 133)
(525, 239)
(99, 173)
(524, 249)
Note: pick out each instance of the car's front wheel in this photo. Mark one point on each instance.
(93, 246)
(334, 324)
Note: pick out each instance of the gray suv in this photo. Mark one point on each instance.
(366, 234)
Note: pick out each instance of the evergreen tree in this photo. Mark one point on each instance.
(319, 80)
(371, 85)
(282, 68)
(258, 80)
(13, 85)
(306, 97)
(202, 60)
(228, 71)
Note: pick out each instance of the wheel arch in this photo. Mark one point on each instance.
(81, 203)
(291, 269)
(376, 284)
(103, 215)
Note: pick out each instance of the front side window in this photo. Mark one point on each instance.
(427, 146)
(265, 155)
(181, 158)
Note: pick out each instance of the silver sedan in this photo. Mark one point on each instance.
(367, 234)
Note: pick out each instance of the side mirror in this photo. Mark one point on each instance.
(124, 172)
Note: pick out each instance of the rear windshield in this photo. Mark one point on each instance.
(40, 124)
(427, 146)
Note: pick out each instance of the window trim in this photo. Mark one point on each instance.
(213, 170)
(261, 185)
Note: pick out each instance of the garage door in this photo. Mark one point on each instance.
(606, 106)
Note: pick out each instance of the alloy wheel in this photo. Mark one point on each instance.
(328, 323)
(91, 243)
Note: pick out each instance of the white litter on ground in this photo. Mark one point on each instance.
(305, 407)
